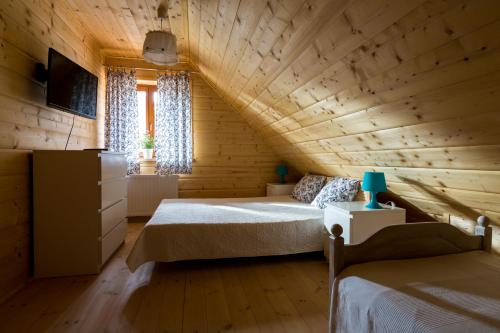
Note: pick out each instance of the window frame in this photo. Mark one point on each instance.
(150, 106)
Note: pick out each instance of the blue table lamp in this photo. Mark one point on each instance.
(282, 171)
(374, 182)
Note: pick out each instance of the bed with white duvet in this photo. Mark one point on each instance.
(186, 229)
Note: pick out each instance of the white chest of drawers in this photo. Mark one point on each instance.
(80, 209)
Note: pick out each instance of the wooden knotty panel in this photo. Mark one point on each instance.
(120, 26)
(230, 158)
(406, 87)
(286, 293)
(410, 88)
(27, 30)
(14, 220)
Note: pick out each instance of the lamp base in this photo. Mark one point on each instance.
(373, 204)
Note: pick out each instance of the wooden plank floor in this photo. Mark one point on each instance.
(278, 294)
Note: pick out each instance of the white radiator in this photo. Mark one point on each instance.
(146, 191)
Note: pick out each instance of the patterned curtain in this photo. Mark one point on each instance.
(173, 138)
(122, 116)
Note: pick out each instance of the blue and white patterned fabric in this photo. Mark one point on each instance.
(308, 187)
(338, 189)
(121, 118)
(173, 136)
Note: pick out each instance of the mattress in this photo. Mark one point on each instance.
(185, 229)
(451, 293)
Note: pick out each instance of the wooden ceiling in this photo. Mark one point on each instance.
(120, 26)
(336, 86)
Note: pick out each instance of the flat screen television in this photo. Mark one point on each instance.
(70, 87)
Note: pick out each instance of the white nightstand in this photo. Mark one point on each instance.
(360, 222)
(274, 189)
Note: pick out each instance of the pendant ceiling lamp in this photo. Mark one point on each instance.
(160, 47)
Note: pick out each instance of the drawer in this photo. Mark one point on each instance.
(112, 191)
(113, 240)
(113, 166)
(113, 215)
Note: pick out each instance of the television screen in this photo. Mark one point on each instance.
(70, 87)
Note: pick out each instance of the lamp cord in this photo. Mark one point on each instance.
(71, 130)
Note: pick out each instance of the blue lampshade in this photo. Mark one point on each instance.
(282, 171)
(374, 182)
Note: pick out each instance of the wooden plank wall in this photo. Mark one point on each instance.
(410, 88)
(230, 158)
(120, 26)
(27, 29)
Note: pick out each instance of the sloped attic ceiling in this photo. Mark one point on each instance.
(410, 88)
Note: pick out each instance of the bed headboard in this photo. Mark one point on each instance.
(405, 241)
(360, 196)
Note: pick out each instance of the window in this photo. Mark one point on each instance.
(168, 112)
(146, 97)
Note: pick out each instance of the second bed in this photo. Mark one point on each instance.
(186, 229)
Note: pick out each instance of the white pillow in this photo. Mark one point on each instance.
(338, 189)
(308, 187)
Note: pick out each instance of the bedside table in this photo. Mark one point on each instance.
(274, 189)
(359, 222)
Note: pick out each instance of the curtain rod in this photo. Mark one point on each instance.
(153, 69)
(166, 70)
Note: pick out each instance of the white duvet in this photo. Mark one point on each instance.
(183, 229)
(444, 294)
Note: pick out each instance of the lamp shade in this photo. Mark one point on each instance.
(160, 48)
(282, 171)
(374, 182)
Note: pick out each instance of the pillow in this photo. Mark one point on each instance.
(338, 189)
(308, 187)
(360, 196)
